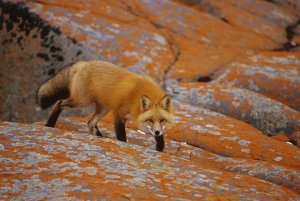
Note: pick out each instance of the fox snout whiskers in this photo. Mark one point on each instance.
(156, 133)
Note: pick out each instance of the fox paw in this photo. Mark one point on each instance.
(94, 130)
(97, 132)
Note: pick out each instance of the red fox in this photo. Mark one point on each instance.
(126, 94)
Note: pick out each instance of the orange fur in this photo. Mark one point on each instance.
(113, 87)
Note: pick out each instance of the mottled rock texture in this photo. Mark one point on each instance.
(267, 115)
(273, 74)
(40, 163)
(170, 40)
(31, 52)
(236, 151)
(235, 64)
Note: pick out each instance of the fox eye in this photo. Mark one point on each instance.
(149, 121)
(162, 120)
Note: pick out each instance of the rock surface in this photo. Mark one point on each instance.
(295, 138)
(52, 163)
(267, 115)
(170, 40)
(273, 74)
(238, 76)
(270, 163)
(31, 51)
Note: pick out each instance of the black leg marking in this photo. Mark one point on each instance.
(160, 143)
(54, 114)
(120, 130)
(92, 123)
(94, 129)
(56, 110)
(97, 131)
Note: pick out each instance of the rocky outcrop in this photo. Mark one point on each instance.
(31, 52)
(170, 40)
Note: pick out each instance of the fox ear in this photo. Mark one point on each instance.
(165, 102)
(145, 103)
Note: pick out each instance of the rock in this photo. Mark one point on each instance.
(273, 74)
(252, 16)
(197, 42)
(52, 163)
(31, 52)
(281, 138)
(267, 115)
(278, 174)
(210, 131)
(229, 137)
(274, 171)
(115, 30)
(295, 138)
(296, 42)
(165, 39)
(291, 6)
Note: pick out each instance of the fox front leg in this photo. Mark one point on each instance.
(92, 123)
(160, 143)
(120, 129)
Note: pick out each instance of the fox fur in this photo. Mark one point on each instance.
(110, 88)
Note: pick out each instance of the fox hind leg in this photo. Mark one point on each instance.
(92, 123)
(57, 109)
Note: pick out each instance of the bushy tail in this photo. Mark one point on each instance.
(54, 89)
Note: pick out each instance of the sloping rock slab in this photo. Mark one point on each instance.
(273, 74)
(152, 36)
(207, 130)
(252, 15)
(229, 137)
(164, 39)
(267, 115)
(41, 163)
(110, 29)
(269, 171)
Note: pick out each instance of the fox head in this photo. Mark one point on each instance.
(156, 116)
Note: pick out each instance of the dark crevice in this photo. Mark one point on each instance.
(172, 46)
(281, 3)
(204, 79)
(271, 1)
(224, 20)
(176, 54)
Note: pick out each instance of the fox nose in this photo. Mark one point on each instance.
(157, 132)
